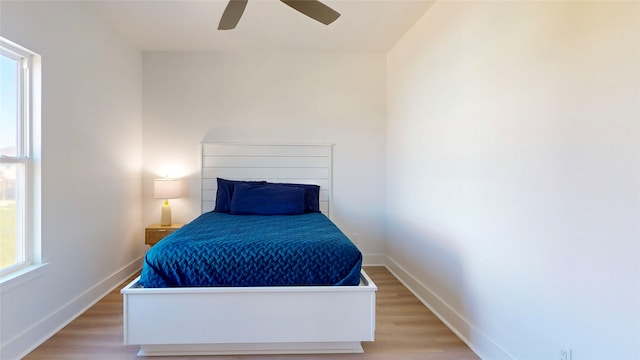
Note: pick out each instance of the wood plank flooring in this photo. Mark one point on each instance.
(405, 330)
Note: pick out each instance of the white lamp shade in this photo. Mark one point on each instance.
(166, 189)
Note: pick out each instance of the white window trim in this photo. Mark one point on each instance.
(22, 276)
(29, 153)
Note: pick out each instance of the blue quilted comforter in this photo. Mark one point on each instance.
(219, 249)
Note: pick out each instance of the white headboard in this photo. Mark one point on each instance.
(285, 163)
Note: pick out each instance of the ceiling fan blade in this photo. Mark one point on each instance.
(232, 14)
(314, 9)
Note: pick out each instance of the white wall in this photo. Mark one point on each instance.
(270, 97)
(513, 174)
(91, 184)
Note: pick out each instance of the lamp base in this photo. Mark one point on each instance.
(165, 218)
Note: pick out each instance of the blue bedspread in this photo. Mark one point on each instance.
(219, 249)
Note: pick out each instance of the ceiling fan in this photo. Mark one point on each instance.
(312, 8)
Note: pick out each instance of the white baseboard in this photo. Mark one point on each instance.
(478, 341)
(23, 344)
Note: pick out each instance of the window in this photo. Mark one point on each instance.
(16, 150)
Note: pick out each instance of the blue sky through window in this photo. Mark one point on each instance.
(8, 105)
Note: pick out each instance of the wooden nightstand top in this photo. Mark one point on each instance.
(158, 226)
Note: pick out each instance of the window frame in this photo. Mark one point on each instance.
(25, 240)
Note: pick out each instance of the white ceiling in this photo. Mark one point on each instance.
(267, 25)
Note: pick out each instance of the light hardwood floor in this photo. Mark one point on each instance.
(405, 330)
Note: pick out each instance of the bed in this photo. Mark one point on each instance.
(253, 316)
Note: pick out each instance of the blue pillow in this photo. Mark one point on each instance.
(225, 193)
(267, 199)
(311, 196)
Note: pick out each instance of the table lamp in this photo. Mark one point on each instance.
(166, 189)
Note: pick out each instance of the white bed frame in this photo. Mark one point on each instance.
(254, 320)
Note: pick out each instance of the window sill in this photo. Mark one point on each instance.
(20, 277)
